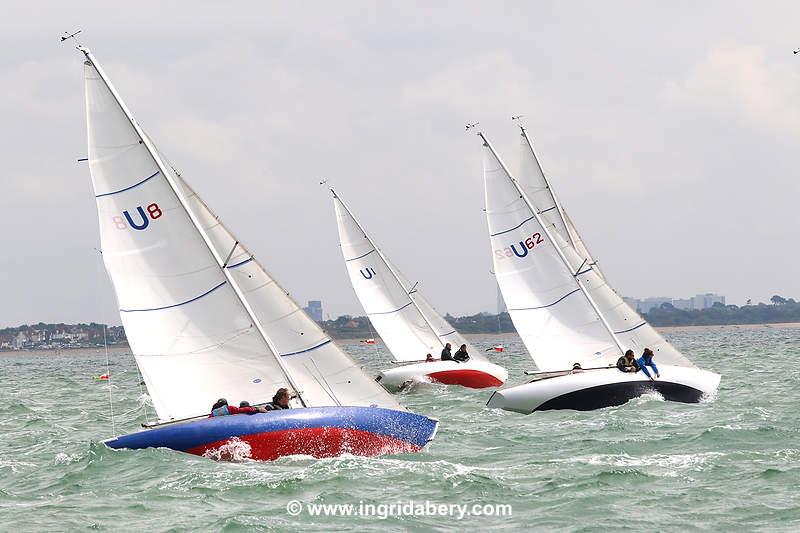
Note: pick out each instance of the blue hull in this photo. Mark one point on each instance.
(318, 431)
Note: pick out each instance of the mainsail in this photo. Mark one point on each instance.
(562, 308)
(202, 316)
(407, 323)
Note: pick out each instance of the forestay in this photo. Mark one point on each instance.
(192, 336)
(407, 323)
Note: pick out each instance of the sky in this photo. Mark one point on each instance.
(669, 130)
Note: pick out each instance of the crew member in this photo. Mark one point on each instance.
(647, 360)
(279, 401)
(446, 355)
(461, 355)
(221, 408)
(627, 363)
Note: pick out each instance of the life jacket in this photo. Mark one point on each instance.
(220, 411)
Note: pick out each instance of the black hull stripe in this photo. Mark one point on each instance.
(613, 394)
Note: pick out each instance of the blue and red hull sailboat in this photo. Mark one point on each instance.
(205, 320)
(317, 431)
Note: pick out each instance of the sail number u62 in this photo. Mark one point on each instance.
(527, 244)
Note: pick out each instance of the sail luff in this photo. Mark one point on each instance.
(390, 268)
(570, 237)
(558, 249)
(193, 218)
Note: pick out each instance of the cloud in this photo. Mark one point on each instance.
(744, 82)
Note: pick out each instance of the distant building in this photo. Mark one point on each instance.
(699, 302)
(704, 301)
(314, 309)
(647, 304)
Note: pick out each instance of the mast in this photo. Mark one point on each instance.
(563, 257)
(389, 266)
(195, 222)
(570, 236)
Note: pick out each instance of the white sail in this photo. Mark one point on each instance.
(553, 317)
(630, 329)
(407, 323)
(195, 339)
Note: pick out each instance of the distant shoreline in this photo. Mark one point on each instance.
(356, 340)
(720, 327)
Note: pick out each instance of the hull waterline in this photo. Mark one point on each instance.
(596, 389)
(318, 432)
(472, 374)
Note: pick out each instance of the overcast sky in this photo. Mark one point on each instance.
(670, 131)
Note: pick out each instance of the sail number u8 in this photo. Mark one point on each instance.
(524, 246)
(151, 212)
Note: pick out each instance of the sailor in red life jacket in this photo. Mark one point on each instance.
(221, 408)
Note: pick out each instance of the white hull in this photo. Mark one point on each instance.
(595, 389)
(474, 374)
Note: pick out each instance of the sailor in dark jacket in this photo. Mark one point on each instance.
(627, 363)
(279, 401)
(446, 355)
(461, 355)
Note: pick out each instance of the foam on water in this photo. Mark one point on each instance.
(728, 463)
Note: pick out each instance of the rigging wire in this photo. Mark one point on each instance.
(105, 343)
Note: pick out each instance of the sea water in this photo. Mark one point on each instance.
(727, 464)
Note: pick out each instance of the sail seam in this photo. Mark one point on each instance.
(360, 256)
(631, 329)
(390, 312)
(129, 188)
(320, 345)
(548, 305)
(512, 229)
(174, 305)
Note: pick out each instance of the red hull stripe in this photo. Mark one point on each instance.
(474, 379)
(317, 442)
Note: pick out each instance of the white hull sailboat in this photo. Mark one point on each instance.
(205, 320)
(563, 308)
(407, 323)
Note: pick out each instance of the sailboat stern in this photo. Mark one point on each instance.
(318, 432)
(473, 374)
(596, 389)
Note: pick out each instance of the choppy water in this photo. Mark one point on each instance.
(731, 464)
